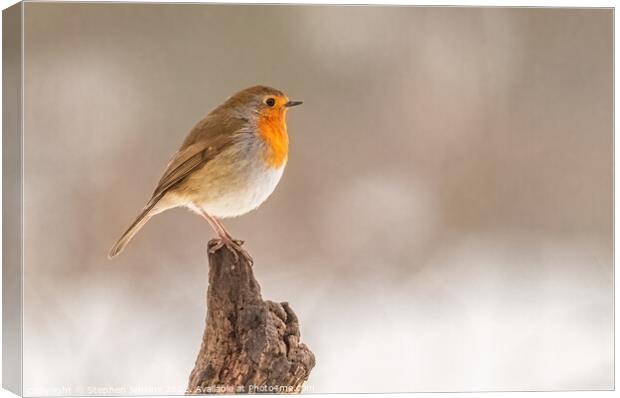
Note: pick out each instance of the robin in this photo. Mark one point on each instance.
(228, 165)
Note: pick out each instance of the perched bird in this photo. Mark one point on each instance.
(228, 165)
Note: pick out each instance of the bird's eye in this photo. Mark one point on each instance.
(270, 101)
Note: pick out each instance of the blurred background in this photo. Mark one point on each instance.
(444, 222)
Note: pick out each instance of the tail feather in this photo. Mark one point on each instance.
(133, 229)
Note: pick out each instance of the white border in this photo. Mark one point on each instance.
(478, 3)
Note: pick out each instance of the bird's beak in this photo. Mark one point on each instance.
(292, 103)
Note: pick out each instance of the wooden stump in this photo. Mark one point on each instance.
(249, 345)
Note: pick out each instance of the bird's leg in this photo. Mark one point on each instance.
(225, 240)
(221, 226)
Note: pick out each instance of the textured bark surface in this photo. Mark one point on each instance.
(249, 345)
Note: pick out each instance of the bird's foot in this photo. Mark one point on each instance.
(233, 245)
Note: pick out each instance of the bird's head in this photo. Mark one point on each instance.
(259, 103)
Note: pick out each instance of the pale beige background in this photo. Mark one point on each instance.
(444, 223)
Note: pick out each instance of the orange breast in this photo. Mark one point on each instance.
(273, 130)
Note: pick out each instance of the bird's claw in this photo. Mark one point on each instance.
(234, 246)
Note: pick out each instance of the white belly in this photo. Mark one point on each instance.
(247, 197)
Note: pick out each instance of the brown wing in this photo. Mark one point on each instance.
(210, 137)
(181, 165)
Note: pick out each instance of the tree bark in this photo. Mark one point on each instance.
(249, 345)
